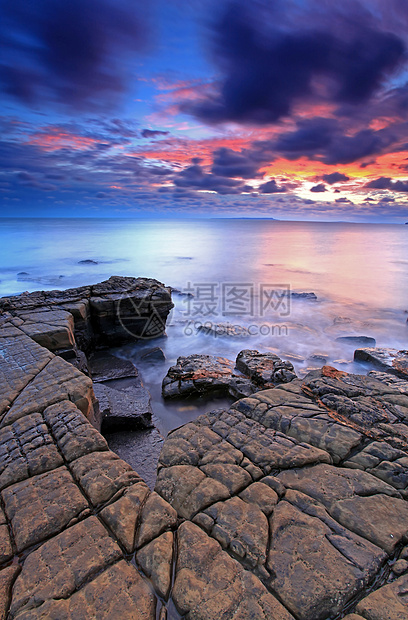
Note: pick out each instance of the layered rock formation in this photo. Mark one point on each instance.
(292, 504)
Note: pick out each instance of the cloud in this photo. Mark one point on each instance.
(152, 133)
(271, 187)
(194, 177)
(335, 177)
(318, 188)
(388, 183)
(268, 63)
(229, 163)
(74, 53)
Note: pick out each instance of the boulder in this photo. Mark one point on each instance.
(390, 360)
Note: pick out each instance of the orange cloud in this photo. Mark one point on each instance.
(54, 139)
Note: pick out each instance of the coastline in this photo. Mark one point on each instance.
(308, 477)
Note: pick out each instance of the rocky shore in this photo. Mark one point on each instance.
(291, 504)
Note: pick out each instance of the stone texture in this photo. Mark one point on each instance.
(387, 603)
(52, 329)
(21, 359)
(6, 549)
(390, 360)
(124, 407)
(26, 449)
(7, 576)
(73, 433)
(156, 561)
(42, 506)
(57, 381)
(123, 516)
(101, 475)
(63, 564)
(119, 592)
(264, 368)
(210, 585)
(310, 548)
(157, 516)
(103, 366)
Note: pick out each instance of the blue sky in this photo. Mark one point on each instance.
(292, 109)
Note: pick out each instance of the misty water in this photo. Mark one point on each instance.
(231, 268)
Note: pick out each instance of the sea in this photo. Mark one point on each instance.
(238, 285)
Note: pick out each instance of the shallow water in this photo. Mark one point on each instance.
(239, 272)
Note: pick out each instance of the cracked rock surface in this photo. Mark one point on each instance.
(292, 504)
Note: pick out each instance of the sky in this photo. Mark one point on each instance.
(291, 109)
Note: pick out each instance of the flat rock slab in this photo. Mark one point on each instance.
(52, 329)
(391, 360)
(103, 366)
(124, 405)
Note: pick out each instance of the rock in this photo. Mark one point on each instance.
(88, 261)
(7, 577)
(154, 355)
(400, 567)
(196, 375)
(117, 592)
(387, 603)
(110, 313)
(124, 405)
(210, 585)
(390, 360)
(104, 367)
(264, 368)
(393, 381)
(57, 381)
(42, 506)
(224, 329)
(364, 340)
(61, 565)
(101, 475)
(318, 357)
(156, 561)
(311, 296)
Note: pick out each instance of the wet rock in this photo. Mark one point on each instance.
(390, 360)
(88, 261)
(198, 374)
(154, 355)
(264, 368)
(396, 382)
(104, 367)
(124, 405)
(391, 600)
(364, 340)
(311, 296)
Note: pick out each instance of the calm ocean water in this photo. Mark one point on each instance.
(238, 272)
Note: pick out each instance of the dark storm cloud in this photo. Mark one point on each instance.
(271, 187)
(268, 65)
(152, 133)
(325, 140)
(318, 188)
(335, 177)
(70, 52)
(229, 163)
(388, 183)
(194, 177)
